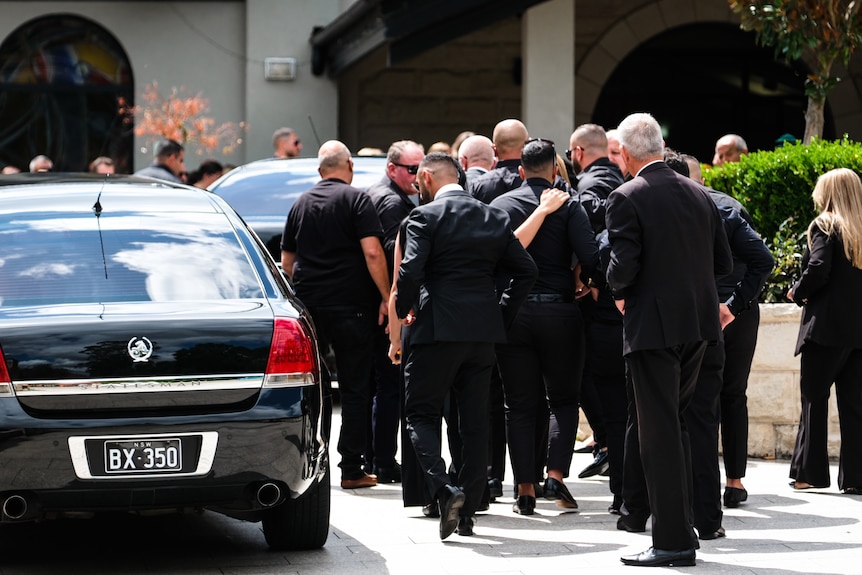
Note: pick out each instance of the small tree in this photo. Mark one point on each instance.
(823, 30)
(180, 117)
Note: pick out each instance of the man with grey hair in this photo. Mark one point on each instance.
(286, 143)
(476, 155)
(331, 250)
(392, 199)
(661, 224)
(729, 148)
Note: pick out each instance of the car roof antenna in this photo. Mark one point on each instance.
(97, 209)
(313, 129)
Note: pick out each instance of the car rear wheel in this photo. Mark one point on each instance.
(301, 523)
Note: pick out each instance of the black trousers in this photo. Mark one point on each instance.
(663, 381)
(590, 397)
(821, 366)
(607, 369)
(497, 428)
(385, 407)
(541, 366)
(430, 372)
(702, 419)
(740, 339)
(350, 331)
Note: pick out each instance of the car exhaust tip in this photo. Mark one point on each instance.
(268, 494)
(14, 507)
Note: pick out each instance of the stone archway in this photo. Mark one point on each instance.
(702, 77)
(630, 32)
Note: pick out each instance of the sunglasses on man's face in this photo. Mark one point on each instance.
(411, 169)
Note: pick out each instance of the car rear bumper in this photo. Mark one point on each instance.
(259, 457)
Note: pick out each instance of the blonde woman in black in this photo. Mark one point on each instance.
(830, 340)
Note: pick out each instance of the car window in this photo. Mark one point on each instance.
(270, 189)
(60, 258)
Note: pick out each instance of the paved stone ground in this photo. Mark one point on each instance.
(778, 531)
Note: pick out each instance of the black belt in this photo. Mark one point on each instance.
(549, 298)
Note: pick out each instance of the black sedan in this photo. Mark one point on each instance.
(153, 358)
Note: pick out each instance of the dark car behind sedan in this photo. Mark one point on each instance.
(152, 357)
(263, 191)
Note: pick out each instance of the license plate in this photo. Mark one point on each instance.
(143, 455)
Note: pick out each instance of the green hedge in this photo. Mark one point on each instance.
(775, 187)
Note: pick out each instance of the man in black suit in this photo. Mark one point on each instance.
(454, 248)
(667, 247)
(737, 293)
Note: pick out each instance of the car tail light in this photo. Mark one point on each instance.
(5, 380)
(292, 358)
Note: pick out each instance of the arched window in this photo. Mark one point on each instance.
(65, 83)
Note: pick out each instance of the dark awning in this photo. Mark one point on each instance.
(407, 27)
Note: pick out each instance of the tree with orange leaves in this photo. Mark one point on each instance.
(822, 31)
(180, 117)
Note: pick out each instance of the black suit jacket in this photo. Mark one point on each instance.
(454, 248)
(668, 246)
(829, 290)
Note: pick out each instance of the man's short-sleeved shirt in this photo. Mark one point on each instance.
(324, 229)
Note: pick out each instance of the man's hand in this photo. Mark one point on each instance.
(621, 305)
(395, 353)
(383, 312)
(725, 316)
(552, 199)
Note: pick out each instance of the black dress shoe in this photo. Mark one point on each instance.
(556, 490)
(653, 557)
(614, 507)
(708, 535)
(388, 474)
(852, 491)
(525, 505)
(465, 527)
(631, 523)
(599, 465)
(733, 496)
(431, 511)
(450, 500)
(495, 487)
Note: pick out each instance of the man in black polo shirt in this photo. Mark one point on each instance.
(544, 353)
(331, 249)
(391, 199)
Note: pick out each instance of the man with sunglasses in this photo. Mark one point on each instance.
(391, 199)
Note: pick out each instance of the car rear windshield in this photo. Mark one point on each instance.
(60, 258)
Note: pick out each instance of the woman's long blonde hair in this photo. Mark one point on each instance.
(838, 197)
